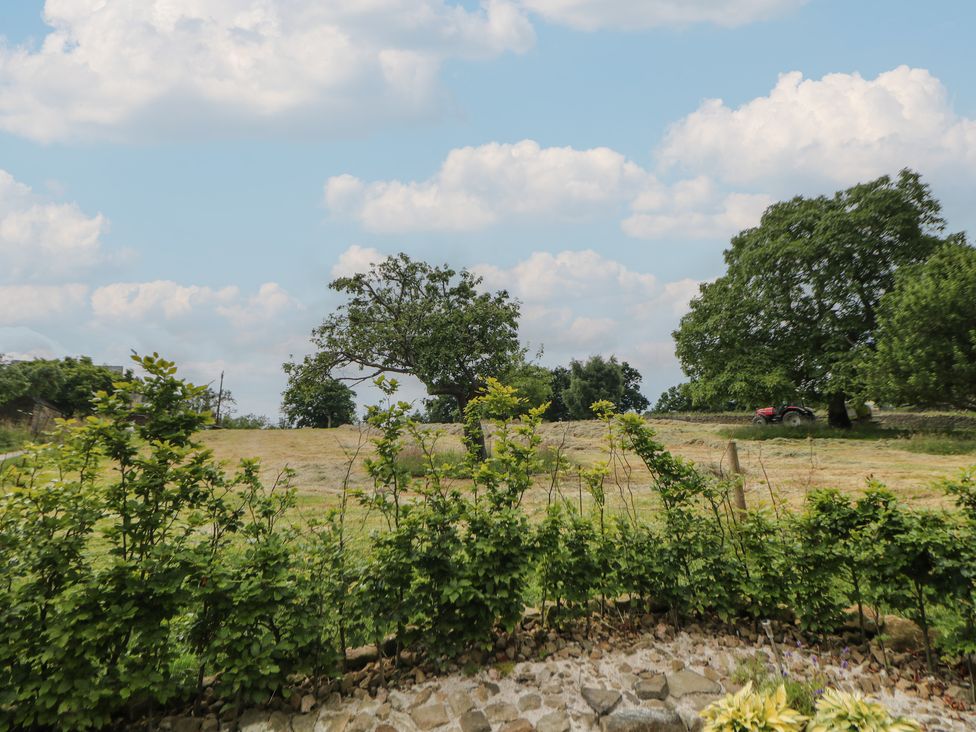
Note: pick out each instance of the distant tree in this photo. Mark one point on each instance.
(599, 378)
(246, 422)
(68, 383)
(312, 398)
(798, 304)
(559, 382)
(674, 399)
(926, 336)
(431, 322)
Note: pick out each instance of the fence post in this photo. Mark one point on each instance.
(737, 491)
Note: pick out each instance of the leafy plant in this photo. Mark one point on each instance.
(751, 711)
(850, 712)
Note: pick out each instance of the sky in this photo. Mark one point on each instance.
(187, 176)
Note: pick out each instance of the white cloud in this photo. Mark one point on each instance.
(270, 302)
(476, 186)
(115, 68)
(578, 303)
(630, 15)
(139, 300)
(356, 259)
(693, 209)
(43, 240)
(480, 186)
(840, 128)
(575, 275)
(36, 303)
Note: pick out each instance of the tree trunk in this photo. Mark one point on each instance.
(837, 411)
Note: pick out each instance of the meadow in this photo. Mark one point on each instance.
(778, 464)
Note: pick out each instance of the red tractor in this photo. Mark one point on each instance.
(788, 414)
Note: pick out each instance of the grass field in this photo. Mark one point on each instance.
(788, 463)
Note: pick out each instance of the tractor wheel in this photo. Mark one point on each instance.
(793, 419)
(760, 421)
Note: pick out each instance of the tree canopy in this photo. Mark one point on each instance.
(67, 383)
(926, 337)
(602, 379)
(313, 398)
(798, 304)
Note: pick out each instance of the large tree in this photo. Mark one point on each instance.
(409, 317)
(926, 337)
(798, 305)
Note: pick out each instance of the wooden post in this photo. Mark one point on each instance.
(738, 491)
(220, 399)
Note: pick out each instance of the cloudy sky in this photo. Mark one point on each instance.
(186, 176)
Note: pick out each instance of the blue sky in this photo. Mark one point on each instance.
(187, 176)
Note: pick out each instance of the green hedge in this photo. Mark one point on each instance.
(134, 564)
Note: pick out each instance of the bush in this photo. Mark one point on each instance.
(753, 711)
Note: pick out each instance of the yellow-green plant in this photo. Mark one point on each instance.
(838, 711)
(752, 711)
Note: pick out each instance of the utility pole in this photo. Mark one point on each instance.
(220, 398)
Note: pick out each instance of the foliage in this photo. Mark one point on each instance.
(752, 711)
(220, 403)
(925, 354)
(600, 379)
(799, 301)
(409, 317)
(68, 383)
(674, 399)
(312, 398)
(558, 382)
(126, 548)
(838, 711)
(246, 422)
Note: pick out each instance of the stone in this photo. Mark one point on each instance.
(383, 710)
(474, 720)
(187, 724)
(553, 722)
(423, 697)
(655, 687)
(711, 674)
(601, 701)
(303, 722)
(529, 702)
(307, 703)
(386, 728)
(686, 682)
(643, 720)
(360, 723)
(430, 716)
(333, 723)
(518, 725)
(212, 724)
(460, 702)
(677, 664)
(501, 712)
(254, 720)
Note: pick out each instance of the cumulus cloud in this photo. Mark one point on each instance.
(44, 240)
(579, 303)
(630, 15)
(113, 68)
(476, 186)
(165, 298)
(356, 259)
(840, 128)
(37, 303)
(693, 209)
(270, 302)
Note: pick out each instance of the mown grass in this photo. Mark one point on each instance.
(415, 462)
(821, 431)
(961, 442)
